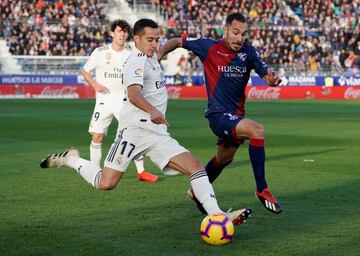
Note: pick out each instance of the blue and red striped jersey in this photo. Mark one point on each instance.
(226, 72)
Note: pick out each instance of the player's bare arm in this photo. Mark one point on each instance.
(169, 46)
(135, 97)
(271, 78)
(95, 85)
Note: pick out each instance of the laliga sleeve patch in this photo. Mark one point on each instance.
(138, 72)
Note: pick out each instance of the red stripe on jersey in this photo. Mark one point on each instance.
(217, 57)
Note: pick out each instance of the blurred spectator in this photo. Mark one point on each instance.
(178, 80)
(53, 27)
(306, 38)
(311, 36)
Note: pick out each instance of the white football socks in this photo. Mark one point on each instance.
(95, 153)
(88, 170)
(139, 163)
(204, 192)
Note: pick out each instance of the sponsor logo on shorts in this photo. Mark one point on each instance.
(232, 117)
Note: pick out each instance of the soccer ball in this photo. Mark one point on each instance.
(217, 229)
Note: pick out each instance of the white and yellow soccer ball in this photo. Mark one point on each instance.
(217, 229)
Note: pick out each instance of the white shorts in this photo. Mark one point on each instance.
(132, 143)
(102, 116)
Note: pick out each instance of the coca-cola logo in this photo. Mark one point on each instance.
(63, 92)
(264, 94)
(173, 92)
(352, 94)
(66, 90)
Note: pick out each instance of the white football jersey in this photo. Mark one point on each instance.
(147, 72)
(108, 65)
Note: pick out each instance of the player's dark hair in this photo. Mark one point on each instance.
(122, 24)
(235, 16)
(141, 24)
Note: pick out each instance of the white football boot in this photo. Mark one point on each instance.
(240, 216)
(58, 159)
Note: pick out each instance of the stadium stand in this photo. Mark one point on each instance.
(301, 38)
(314, 38)
(53, 27)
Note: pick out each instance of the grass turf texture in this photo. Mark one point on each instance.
(54, 212)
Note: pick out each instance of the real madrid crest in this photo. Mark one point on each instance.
(119, 159)
(108, 57)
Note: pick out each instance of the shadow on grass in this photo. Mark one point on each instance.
(315, 222)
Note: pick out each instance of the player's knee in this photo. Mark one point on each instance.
(193, 166)
(196, 165)
(97, 137)
(258, 131)
(107, 185)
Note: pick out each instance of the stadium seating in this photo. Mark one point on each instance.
(314, 37)
(311, 38)
(53, 27)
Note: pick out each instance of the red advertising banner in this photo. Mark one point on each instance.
(185, 92)
(303, 92)
(46, 91)
(274, 93)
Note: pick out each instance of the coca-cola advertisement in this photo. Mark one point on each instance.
(303, 92)
(352, 93)
(274, 93)
(16, 91)
(46, 91)
(269, 93)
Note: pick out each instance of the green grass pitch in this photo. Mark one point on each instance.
(313, 159)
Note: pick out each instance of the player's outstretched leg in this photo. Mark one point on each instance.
(58, 159)
(70, 158)
(142, 174)
(268, 200)
(214, 168)
(238, 217)
(201, 188)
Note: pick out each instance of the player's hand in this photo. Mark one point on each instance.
(272, 79)
(100, 88)
(157, 117)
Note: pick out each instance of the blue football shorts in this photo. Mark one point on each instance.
(223, 126)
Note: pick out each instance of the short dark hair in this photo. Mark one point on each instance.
(235, 16)
(143, 23)
(122, 24)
